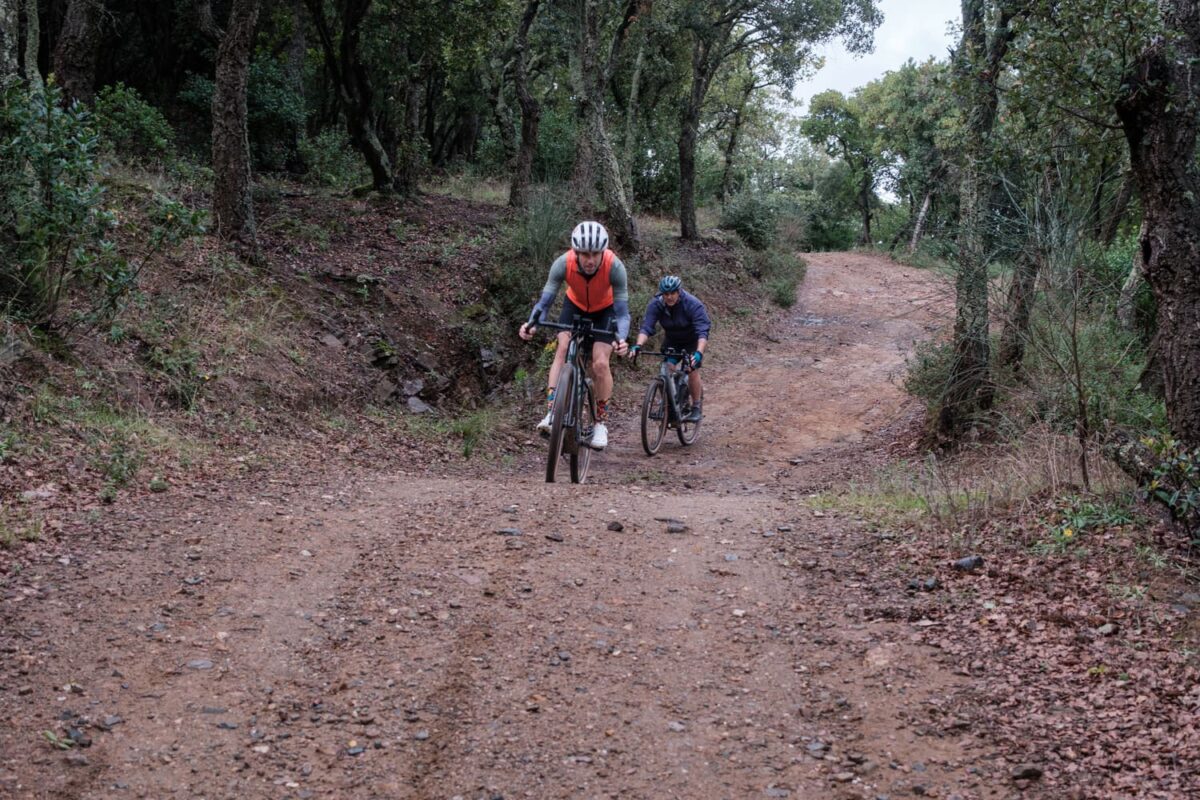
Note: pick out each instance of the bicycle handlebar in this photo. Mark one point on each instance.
(578, 326)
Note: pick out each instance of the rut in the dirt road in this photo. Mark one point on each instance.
(404, 636)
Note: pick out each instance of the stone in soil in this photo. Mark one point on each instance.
(968, 564)
(616, 526)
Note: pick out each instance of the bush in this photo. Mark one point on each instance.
(928, 371)
(539, 236)
(331, 160)
(780, 272)
(132, 128)
(1176, 481)
(55, 230)
(754, 219)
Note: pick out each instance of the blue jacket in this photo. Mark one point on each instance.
(686, 320)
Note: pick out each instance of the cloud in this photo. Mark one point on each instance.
(915, 29)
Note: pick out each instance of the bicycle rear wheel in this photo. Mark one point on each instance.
(562, 399)
(688, 431)
(585, 422)
(654, 416)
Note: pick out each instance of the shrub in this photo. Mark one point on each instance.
(754, 219)
(132, 128)
(538, 237)
(1176, 481)
(55, 231)
(929, 371)
(331, 161)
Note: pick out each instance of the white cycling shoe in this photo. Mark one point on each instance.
(599, 436)
(543, 427)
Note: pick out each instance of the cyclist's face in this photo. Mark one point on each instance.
(670, 298)
(589, 262)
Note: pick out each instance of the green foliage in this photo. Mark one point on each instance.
(132, 128)
(753, 217)
(779, 272)
(538, 237)
(55, 233)
(275, 112)
(929, 370)
(331, 161)
(1176, 481)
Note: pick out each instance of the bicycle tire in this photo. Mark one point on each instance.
(653, 430)
(688, 432)
(585, 421)
(566, 385)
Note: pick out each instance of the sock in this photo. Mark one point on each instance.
(549, 397)
(601, 410)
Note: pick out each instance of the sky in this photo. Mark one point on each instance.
(914, 29)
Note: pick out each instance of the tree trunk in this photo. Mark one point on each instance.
(919, 227)
(735, 130)
(1021, 292)
(595, 146)
(977, 64)
(631, 114)
(1112, 220)
(1126, 305)
(689, 230)
(9, 39)
(518, 193)
(297, 48)
(29, 37)
(1160, 115)
(232, 203)
(864, 204)
(77, 50)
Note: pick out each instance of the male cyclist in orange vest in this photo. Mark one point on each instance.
(597, 289)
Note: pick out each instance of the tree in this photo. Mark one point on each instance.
(1159, 110)
(9, 27)
(233, 206)
(77, 49)
(987, 33)
(343, 60)
(531, 112)
(836, 123)
(782, 34)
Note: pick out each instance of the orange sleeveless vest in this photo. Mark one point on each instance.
(590, 294)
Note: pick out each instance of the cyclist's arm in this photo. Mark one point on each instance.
(649, 320)
(701, 324)
(558, 274)
(620, 287)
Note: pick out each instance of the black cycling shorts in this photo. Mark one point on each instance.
(681, 344)
(603, 320)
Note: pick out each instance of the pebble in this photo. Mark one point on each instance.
(677, 727)
(968, 564)
(200, 663)
(555, 536)
(421, 735)
(1027, 772)
(509, 531)
(731, 557)
(676, 527)
(616, 526)
(844, 777)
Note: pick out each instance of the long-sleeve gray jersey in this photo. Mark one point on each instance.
(558, 276)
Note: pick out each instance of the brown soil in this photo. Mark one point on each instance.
(345, 633)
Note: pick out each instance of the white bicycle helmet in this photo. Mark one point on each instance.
(589, 237)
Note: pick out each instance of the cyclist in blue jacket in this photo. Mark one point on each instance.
(685, 320)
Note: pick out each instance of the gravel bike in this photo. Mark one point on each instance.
(573, 414)
(668, 401)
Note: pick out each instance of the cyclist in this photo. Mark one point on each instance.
(686, 322)
(597, 289)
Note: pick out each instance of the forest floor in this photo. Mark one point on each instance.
(719, 621)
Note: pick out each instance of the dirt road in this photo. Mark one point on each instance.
(401, 636)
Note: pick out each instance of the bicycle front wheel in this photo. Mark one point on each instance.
(585, 422)
(654, 416)
(562, 402)
(688, 431)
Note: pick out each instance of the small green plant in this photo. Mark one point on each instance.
(1176, 481)
(473, 429)
(58, 742)
(158, 485)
